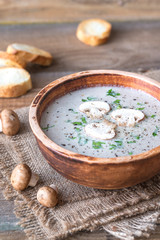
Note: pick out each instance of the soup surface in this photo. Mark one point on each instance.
(63, 123)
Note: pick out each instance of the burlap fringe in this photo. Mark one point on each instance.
(33, 216)
(139, 226)
(28, 219)
(83, 217)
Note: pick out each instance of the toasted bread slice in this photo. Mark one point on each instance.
(94, 31)
(8, 63)
(9, 60)
(14, 82)
(30, 54)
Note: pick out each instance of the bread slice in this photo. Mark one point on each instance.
(94, 31)
(30, 54)
(14, 82)
(9, 60)
(8, 63)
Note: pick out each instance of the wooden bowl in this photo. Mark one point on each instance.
(102, 173)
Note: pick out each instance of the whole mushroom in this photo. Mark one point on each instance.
(9, 122)
(22, 177)
(48, 196)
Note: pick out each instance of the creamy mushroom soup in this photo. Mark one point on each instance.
(64, 123)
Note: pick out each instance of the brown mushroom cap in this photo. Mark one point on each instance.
(47, 196)
(21, 176)
(10, 122)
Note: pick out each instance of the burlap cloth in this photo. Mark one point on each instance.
(125, 213)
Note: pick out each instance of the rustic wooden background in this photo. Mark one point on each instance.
(134, 45)
(22, 11)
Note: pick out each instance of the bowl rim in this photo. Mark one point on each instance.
(40, 135)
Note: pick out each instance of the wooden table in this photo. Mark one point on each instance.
(134, 45)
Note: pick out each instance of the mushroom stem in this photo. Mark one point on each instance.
(1, 126)
(54, 187)
(34, 179)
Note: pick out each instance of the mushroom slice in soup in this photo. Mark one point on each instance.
(127, 117)
(94, 109)
(104, 130)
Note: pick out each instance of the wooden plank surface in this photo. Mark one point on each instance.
(133, 46)
(10, 231)
(76, 10)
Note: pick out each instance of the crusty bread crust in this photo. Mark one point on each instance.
(16, 90)
(8, 63)
(91, 37)
(34, 55)
(12, 60)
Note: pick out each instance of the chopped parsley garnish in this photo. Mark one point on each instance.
(117, 144)
(137, 137)
(97, 145)
(46, 128)
(140, 104)
(112, 146)
(82, 141)
(131, 141)
(83, 120)
(116, 101)
(130, 153)
(152, 116)
(112, 93)
(77, 123)
(155, 133)
(89, 99)
(78, 129)
(117, 104)
(140, 108)
(71, 110)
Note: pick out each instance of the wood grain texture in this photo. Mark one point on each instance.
(13, 235)
(131, 47)
(10, 233)
(77, 10)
